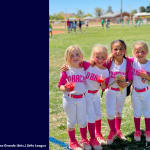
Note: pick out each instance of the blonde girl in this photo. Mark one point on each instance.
(141, 89)
(96, 77)
(72, 83)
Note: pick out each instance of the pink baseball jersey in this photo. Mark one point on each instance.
(139, 82)
(116, 70)
(77, 76)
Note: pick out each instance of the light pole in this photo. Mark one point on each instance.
(121, 11)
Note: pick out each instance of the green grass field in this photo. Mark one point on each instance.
(86, 39)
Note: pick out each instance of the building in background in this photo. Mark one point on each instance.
(115, 17)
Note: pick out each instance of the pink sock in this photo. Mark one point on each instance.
(137, 124)
(112, 125)
(98, 127)
(71, 134)
(117, 123)
(147, 124)
(83, 133)
(91, 128)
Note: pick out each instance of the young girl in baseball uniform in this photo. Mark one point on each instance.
(141, 89)
(72, 83)
(96, 77)
(120, 76)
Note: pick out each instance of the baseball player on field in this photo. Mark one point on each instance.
(120, 76)
(141, 89)
(72, 83)
(96, 77)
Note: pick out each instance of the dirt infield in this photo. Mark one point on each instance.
(58, 32)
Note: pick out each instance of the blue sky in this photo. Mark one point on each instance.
(88, 6)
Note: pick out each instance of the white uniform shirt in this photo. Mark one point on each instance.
(116, 70)
(139, 82)
(77, 76)
(91, 77)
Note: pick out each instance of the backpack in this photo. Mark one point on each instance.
(129, 62)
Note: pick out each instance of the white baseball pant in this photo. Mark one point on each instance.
(93, 107)
(75, 109)
(141, 103)
(114, 103)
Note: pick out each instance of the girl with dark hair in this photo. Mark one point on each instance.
(120, 77)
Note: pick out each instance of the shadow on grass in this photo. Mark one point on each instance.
(128, 144)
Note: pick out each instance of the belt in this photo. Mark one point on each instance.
(141, 90)
(115, 89)
(93, 92)
(76, 96)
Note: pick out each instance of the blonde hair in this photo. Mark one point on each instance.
(142, 43)
(69, 51)
(97, 47)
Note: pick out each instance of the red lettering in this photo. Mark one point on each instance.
(80, 78)
(92, 76)
(69, 78)
(87, 75)
(73, 78)
(83, 79)
(77, 78)
(95, 78)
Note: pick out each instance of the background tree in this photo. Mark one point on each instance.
(148, 8)
(51, 17)
(54, 16)
(142, 9)
(80, 13)
(88, 15)
(109, 10)
(133, 12)
(60, 16)
(98, 12)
